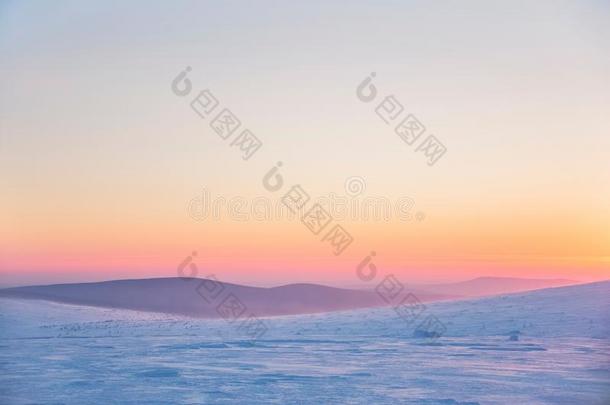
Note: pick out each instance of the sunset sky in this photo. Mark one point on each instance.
(99, 159)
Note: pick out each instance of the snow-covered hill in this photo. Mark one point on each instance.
(546, 346)
(192, 296)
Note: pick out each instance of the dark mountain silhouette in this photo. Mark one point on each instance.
(201, 297)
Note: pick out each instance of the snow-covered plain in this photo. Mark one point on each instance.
(56, 353)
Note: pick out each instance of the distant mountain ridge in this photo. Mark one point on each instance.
(201, 297)
(483, 286)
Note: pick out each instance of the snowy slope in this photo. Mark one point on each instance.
(71, 354)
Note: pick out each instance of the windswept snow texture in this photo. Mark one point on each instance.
(543, 347)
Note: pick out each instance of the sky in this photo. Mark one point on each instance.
(100, 160)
